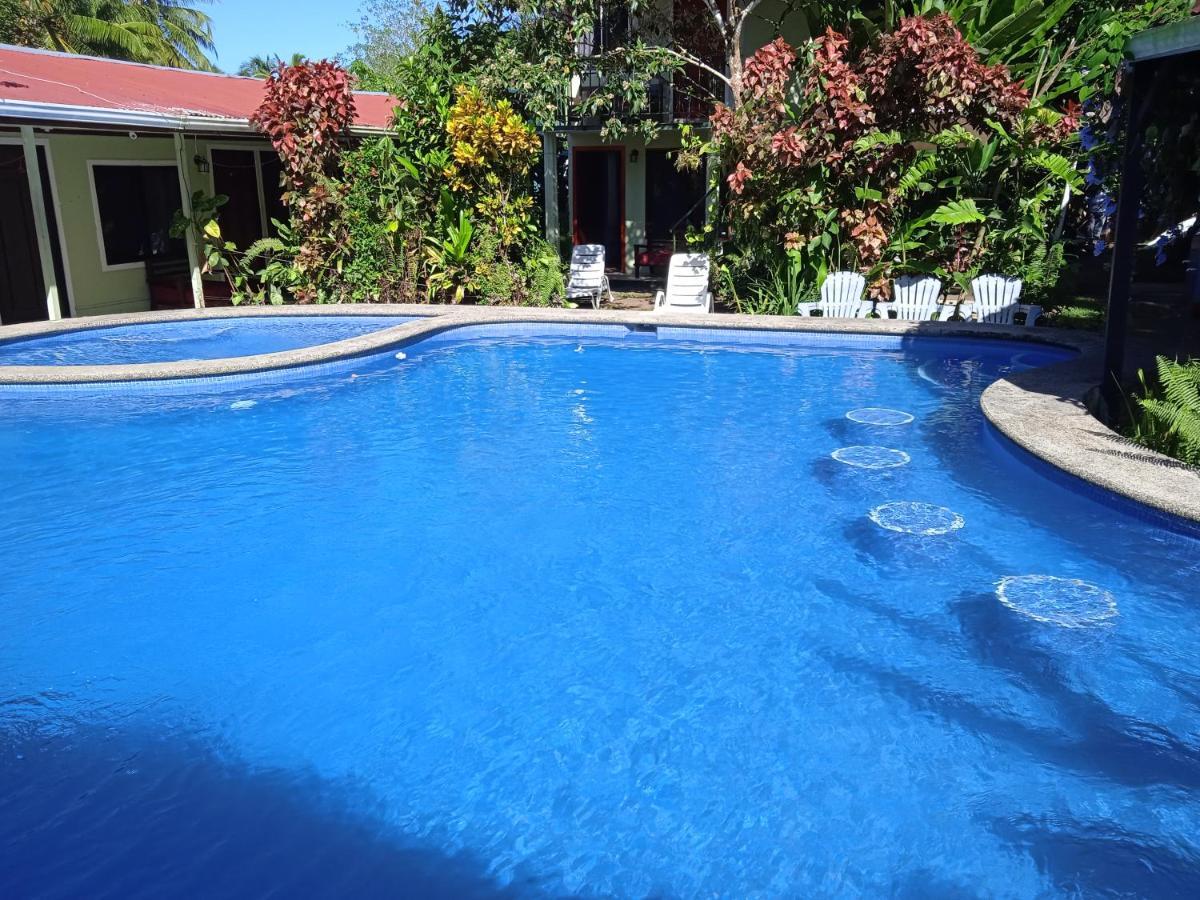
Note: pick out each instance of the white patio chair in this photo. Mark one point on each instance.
(587, 278)
(687, 285)
(996, 300)
(842, 296)
(915, 298)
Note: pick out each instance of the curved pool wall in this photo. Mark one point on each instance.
(1045, 411)
(188, 339)
(540, 611)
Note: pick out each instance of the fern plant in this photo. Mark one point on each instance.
(1168, 417)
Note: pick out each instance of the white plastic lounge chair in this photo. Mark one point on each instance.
(687, 285)
(916, 297)
(587, 278)
(842, 296)
(996, 300)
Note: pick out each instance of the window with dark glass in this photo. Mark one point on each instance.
(136, 205)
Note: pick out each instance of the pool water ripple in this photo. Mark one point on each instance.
(507, 618)
(188, 339)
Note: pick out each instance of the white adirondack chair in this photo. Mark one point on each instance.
(842, 296)
(687, 285)
(587, 278)
(996, 300)
(916, 298)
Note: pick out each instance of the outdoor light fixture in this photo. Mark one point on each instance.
(201, 164)
(633, 156)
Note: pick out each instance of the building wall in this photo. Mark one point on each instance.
(761, 28)
(94, 290)
(635, 183)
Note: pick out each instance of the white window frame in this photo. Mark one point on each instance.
(44, 143)
(91, 168)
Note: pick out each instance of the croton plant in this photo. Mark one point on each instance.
(307, 112)
(907, 154)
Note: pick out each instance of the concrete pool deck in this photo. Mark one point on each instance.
(1043, 410)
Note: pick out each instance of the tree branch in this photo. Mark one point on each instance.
(776, 24)
(691, 60)
(746, 11)
(715, 11)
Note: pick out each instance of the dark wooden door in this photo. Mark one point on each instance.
(235, 176)
(674, 199)
(22, 291)
(598, 183)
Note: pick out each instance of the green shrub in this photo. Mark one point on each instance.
(1167, 415)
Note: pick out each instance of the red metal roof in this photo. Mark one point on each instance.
(38, 76)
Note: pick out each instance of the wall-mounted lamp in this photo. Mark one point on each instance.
(633, 156)
(201, 164)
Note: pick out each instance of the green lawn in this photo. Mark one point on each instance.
(1083, 313)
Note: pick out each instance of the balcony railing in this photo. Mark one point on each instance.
(665, 103)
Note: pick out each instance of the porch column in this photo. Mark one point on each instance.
(550, 186)
(712, 196)
(33, 171)
(1125, 238)
(185, 192)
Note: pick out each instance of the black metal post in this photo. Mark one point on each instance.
(1125, 240)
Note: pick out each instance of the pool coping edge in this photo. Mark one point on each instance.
(1044, 411)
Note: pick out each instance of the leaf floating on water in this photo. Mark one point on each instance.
(242, 404)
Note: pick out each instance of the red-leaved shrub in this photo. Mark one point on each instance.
(307, 112)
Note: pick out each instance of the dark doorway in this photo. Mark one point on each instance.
(674, 199)
(272, 175)
(22, 290)
(235, 174)
(598, 184)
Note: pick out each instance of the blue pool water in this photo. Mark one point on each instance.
(603, 615)
(215, 338)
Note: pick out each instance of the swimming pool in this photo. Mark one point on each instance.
(185, 339)
(545, 611)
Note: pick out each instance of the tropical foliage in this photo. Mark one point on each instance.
(385, 31)
(264, 66)
(931, 135)
(439, 210)
(307, 111)
(443, 209)
(160, 32)
(908, 154)
(1167, 416)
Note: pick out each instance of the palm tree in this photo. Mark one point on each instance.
(160, 32)
(263, 66)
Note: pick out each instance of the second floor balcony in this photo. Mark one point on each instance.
(678, 99)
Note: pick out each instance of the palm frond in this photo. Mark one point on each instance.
(160, 32)
(916, 173)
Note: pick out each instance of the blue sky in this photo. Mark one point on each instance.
(244, 28)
